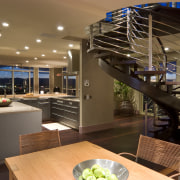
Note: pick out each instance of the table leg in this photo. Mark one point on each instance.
(11, 176)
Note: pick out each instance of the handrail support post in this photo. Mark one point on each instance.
(150, 42)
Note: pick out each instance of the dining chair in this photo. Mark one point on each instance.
(39, 141)
(160, 153)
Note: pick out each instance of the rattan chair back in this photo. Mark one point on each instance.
(160, 152)
(39, 141)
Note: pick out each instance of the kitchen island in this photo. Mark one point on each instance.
(61, 108)
(17, 119)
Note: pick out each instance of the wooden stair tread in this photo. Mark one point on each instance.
(127, 62)
(105, 54)
(95, 50)
(164, 118)
(175, 92)
(149, 72)
(155, 129)
(161, 123)
(172, 83)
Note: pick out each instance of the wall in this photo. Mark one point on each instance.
(36, 80)
(51, 80)
(96, 113)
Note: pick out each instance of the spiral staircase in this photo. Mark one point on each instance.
(130, 44)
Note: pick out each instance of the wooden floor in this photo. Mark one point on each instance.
(123, 137)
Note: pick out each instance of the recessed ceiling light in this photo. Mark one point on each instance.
(71, 45)
(5, 24)
(54, 51)
(42, 55)
(64, 57)
(26, 47)
(60, 28)
(38, 40)
(35, 58)
(17, 52)
(27, 61)
(0, 35)
(47, 65)
(128, 55)
(16, 65)
(166, 48)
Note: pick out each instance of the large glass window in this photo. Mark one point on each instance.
(64, 83)
(21, 82)
(20, 78)
(170, 76)
(32, 81)
(5, 82)
(5, 67)
(170, 73)
(43, 80)
(70, 85)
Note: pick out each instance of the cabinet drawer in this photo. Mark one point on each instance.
(57, 110)
(71, 115)
(55, 104)
(58, 101)
(71, 103)
(71, 108)
(57, 116)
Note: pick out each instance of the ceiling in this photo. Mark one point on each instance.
(32, 19)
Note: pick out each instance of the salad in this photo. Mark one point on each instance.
(96, 172)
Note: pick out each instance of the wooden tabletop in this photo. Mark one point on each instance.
(58, 163)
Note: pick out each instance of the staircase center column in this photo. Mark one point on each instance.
(150, 42)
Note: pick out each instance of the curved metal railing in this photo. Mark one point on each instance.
(126, 32)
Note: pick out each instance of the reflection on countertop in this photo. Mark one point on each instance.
(44, 96)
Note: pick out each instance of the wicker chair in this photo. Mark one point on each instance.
(158, 152)
(39, 141)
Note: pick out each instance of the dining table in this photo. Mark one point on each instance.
(58, 163)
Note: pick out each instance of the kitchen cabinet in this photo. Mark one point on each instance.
(57, 109)
(66, 111)
(17, 119)
(43, 104)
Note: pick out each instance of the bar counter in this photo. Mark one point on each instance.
(17, 119)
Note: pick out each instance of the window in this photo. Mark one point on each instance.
(31, 81)
(21, 82)
(70, 85)
(20, 78)
(64, 83)
(170, 73)
(43, 80)
(170, 76)
(71, 89)
(5, 67)
(5, 82)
